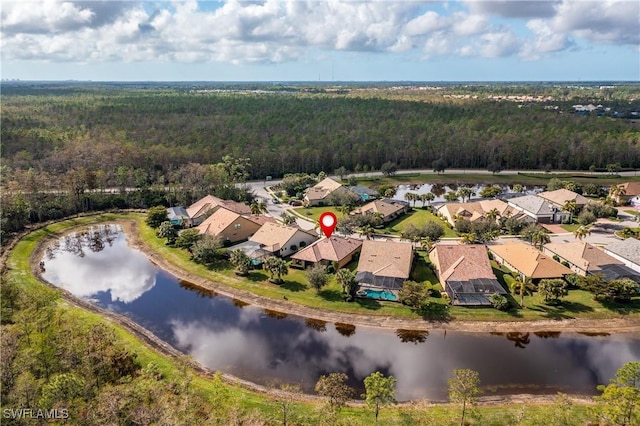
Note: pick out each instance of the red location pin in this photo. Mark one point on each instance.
(328, 222)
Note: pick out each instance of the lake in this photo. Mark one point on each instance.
(269, 347)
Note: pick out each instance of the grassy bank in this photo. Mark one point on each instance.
(262, 408)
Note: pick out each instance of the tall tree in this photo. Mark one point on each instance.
(619, 403)
(156, 215)
(277, 267)
(334, 387)
(241, 261)
(379, 391)
(347, 280)
(464, 388)
(570, 207)
(466, 193)
(522, 286)
(552, 290)
(317, 276)
(582, 232)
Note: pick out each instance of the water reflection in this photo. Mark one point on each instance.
(267, 346)
(345, 330)
(412, 336)
(108, 267)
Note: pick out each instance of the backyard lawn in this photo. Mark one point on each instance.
(417, 217)
(313, 213)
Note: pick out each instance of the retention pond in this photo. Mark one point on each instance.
(269, 347)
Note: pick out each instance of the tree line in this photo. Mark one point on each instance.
(158, 131)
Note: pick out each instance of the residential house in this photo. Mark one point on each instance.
(365, 194)
(384, 264)
(585, 259)
(465, 273)
(626, 251)
(474, 211)
(631, 193)
(387, 209)
(281, 240)
(202, 208)
(178, 216)
(559, 198)
(327, 250)
(232, 227)
(318, 195)
(528, 261)
(534, 208)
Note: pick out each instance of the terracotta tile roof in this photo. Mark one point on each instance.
(274, 235)
(379, 206)
(386, 258)
(209, 202)
(333, 249)
(322, 189)
(222, 218)
(218, 222)
(530, 261)
(583, 255)
(477, 209)
(462, 262)
(561, 196)
(632, 189)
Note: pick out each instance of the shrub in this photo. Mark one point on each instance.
(499, 302)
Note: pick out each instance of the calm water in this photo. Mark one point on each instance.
(439, 191)
(268, 347)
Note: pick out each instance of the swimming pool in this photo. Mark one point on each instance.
(378, 294)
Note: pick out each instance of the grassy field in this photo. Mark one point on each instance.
(313, 213)
(417, 217)
(265, 406)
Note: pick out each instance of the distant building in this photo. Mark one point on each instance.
(387, 209)
(536, 209)
(366, 194)
(559, 198)
(631, 193)
(207, 205)
(474, 211)
(319, 193)
(232, 227)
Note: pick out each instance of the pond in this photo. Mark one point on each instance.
(268, 347)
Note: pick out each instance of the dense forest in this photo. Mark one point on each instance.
(75, 147)
(56, 128)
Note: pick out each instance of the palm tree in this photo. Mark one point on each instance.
(366, 231)
(287, 219)
(468, 238)
(451, 196)
(492, 215)
(241, 261)
(517, 188)
(411, 197)
(539, 238)
(466, 192)
(347, 279)
(254, 208)
(276, 267)
(521, 285)
(617, 191)
(570, 207)
(582, 232)
(345, 209)
(426, 244)
(428, 197)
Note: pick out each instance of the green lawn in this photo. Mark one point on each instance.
(570, 227)
(417, 217)
(313, 213)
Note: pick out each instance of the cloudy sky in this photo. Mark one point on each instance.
(296, 40)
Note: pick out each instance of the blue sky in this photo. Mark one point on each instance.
(287, 40)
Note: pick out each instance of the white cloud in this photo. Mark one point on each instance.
(277, 31)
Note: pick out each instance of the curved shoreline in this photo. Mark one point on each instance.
(603, 325)
(164, 348)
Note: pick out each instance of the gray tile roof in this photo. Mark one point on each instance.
(628, 249)
(533, 204)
